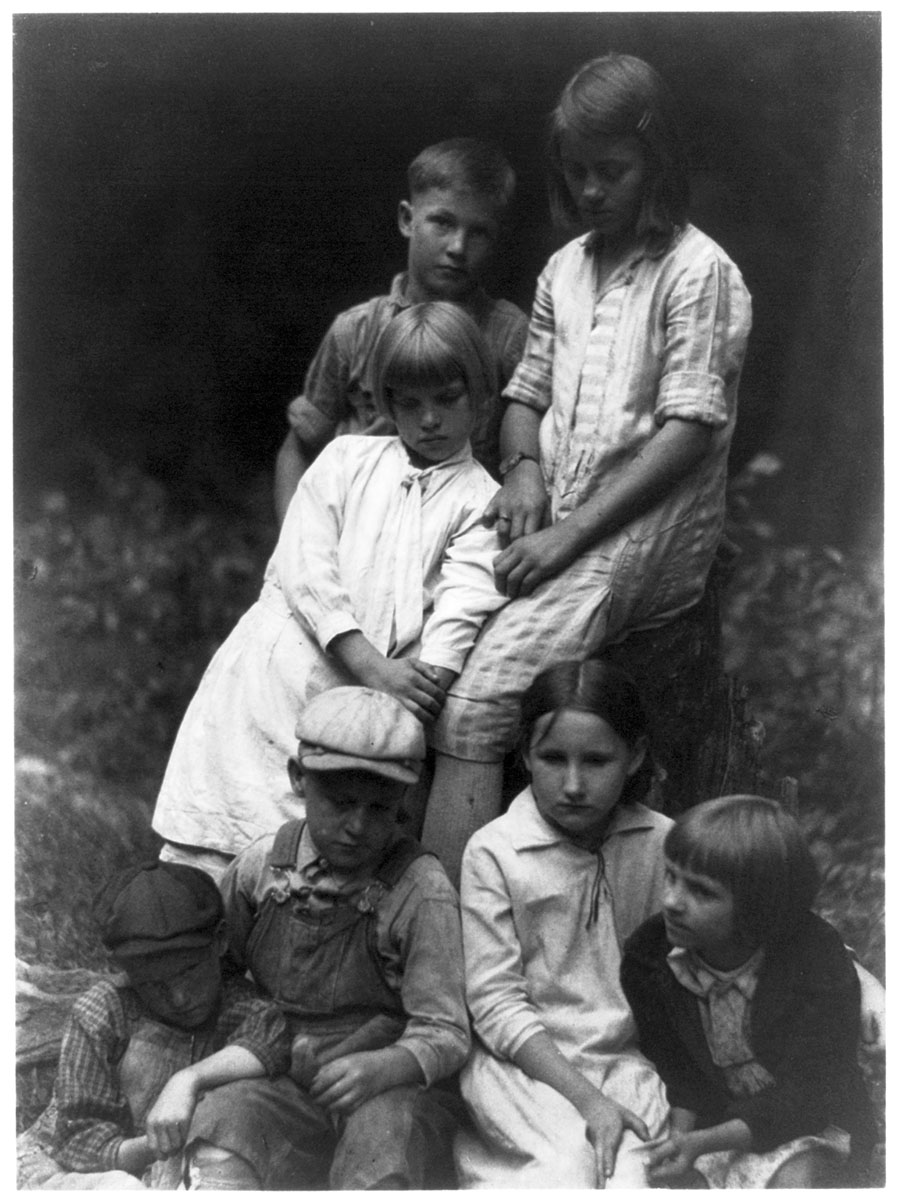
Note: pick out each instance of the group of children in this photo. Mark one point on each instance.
(415, 606)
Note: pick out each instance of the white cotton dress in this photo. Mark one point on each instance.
(543, 921)
(369, 542)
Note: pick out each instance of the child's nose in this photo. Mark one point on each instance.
(672, 897)
(593, 188)
(355, 821)
(456, 244)
(573, 780)
(430, 416)
(179, 995)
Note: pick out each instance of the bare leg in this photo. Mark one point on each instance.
(463, 797)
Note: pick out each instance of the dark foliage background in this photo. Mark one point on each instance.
(196, 196)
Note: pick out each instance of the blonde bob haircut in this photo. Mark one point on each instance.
(430, 344)
(755, 848)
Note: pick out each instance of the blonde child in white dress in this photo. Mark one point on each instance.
(382, 576)
(559, 1092)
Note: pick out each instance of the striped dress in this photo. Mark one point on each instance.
(607, 366)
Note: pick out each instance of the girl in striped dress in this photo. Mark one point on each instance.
(617, 430)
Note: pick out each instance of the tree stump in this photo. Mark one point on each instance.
(704, 742)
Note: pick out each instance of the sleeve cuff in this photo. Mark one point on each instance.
(333, 624)
(692, 396)
(435, 1062)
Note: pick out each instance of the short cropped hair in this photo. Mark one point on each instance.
(603, 689)
(433, 343)
(479, 166)
(755, 848)
(618, 95)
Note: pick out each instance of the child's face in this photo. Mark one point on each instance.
(578, 767)
(433, 420)
(351, 815)
(699, 915)
(605, 177)
(180, 988)
(452, 233)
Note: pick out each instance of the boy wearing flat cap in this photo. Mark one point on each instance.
(137, 1055)
(354, 930)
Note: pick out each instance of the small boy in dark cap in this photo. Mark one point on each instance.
(354, 930)
(137, 1055)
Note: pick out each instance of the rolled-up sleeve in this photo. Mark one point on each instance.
(707, 320)
(502, 1013)
(314, 415)
(531, 383)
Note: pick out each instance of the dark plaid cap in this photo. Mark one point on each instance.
(158, 907)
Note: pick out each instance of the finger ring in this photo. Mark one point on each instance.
(503, 520)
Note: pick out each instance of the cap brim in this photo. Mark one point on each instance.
(143, 947)
(389, 769)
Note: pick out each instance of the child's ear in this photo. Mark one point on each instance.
(638, 754)
(405, 218)
(294, 770)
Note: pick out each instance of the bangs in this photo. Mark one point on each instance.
(754, 847)
(705, 849)
(431, 345)
(421, 359)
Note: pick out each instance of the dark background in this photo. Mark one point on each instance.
(196, 196)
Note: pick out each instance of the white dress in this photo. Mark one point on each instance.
(543, 921)
(369, 542)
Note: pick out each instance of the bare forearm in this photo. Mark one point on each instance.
(290, 466)
(520, 430)
(134, 1155)
(359, 657)
(661, 464)
(226, 1065)
(731, 1135)
(541, 1059)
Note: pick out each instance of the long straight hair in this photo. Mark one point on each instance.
(620, 96)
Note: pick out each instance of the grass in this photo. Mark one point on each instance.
(121, 599)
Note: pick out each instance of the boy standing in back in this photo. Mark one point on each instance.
(459, 192)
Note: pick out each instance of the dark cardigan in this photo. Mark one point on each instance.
(805, 1023)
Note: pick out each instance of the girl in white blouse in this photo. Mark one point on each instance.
(382, 576)
(560, 1094)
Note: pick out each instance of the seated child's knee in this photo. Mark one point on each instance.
(810, 1169)
(214, 1168)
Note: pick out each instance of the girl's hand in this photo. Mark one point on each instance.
(523, 565)
(521, 505)
(606, 1121)
(415, 684)
(169, 1119)
(671, 1157)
